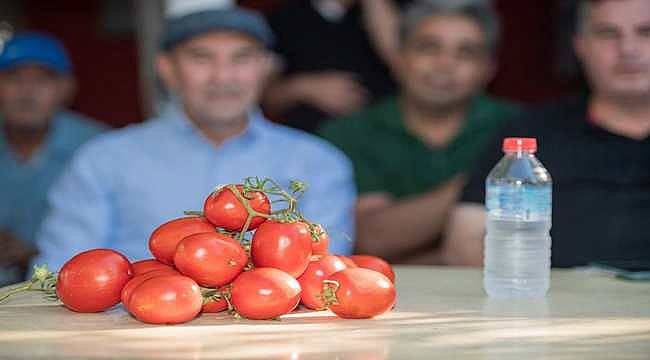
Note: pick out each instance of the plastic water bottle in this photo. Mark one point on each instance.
(517, 258)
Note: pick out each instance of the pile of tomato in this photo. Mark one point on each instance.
(237, 255)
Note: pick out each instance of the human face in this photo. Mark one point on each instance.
(30, 95)
(218, 76)
(445, 61)
(614, 47)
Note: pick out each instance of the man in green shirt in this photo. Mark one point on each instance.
(411, 152)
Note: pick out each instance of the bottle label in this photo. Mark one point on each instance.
(518, 201)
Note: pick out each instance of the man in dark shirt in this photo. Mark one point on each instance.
(336, 56)
(597, 149)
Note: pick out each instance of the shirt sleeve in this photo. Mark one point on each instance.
(330, 200)
(79, 213)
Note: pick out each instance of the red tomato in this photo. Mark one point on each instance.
(226, 211)
(264, 293)
(284, 246)
(92, 281)
(320, 247)
(311, 281)
(167, 299)
(347, 261)
(215, 306)
(127, 290)
(143, 266)
(211, 259)
(165, 238)
(361, 293)
(374, 263)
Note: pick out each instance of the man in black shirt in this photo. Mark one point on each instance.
(336, 55)
(597, 150)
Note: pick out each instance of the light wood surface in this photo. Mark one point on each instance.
(440, 313)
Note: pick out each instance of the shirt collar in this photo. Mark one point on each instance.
(174, 114)
(393, 116)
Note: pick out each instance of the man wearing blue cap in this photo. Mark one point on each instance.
(121, 186)
(37, 138)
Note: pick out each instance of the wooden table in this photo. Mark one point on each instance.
(440, 313)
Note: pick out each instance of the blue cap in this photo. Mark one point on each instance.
(183, 28)
(35, 48)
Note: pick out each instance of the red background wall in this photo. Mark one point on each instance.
(105, 66)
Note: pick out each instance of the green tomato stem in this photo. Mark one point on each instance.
(43, 279)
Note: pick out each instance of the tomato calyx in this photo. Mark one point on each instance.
(193, 213)
(329, 292)
(223, 293)
(232, 234)
(211, 294)
(42, 280)
(315, 230)
(272, 188)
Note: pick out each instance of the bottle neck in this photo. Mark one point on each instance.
(519, 153)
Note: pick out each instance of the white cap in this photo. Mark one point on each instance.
(178, 8)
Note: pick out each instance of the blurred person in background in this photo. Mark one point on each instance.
(121, 186)
(410, 152)
(596, 148)
(337, 57)
(37, 139)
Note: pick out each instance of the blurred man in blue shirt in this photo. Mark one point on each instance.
(37, 139)
(123, 185)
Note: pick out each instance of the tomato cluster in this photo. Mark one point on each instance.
(236, 255)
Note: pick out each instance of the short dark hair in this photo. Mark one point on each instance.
(582, 8)
(480, 11)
